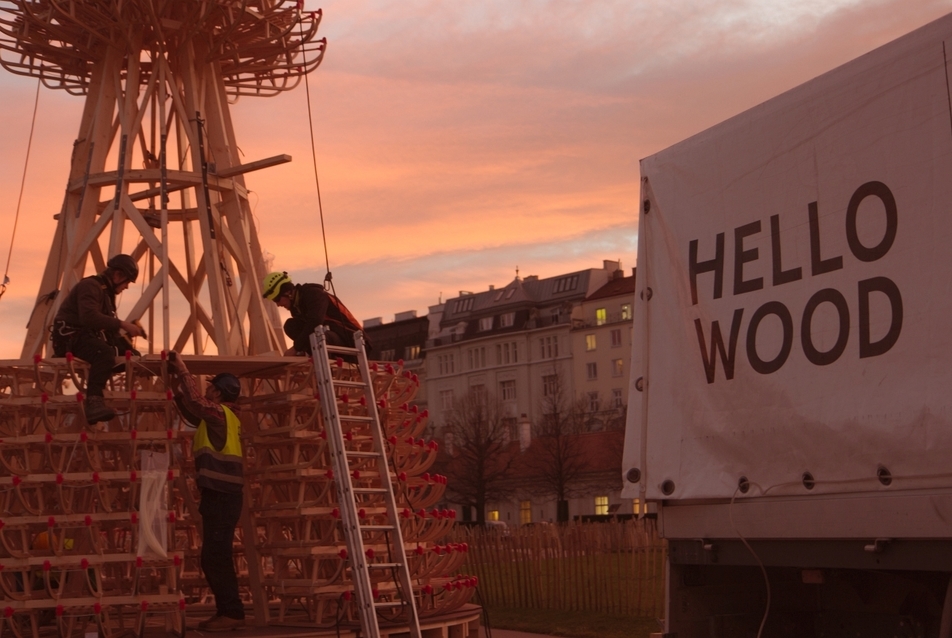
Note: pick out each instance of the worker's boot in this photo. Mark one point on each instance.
(97, 410)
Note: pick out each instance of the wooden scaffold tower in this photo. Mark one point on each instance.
(98, 524)
(155, 168)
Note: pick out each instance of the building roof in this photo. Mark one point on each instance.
(615, 287)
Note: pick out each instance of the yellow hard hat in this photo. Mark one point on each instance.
(272, 284)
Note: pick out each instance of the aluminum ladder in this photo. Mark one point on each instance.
(338, 427)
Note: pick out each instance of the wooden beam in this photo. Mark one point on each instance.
(240, 169)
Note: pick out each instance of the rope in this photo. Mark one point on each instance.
(16, 218)
(317, 184)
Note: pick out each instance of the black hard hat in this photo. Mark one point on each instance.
(229, 386)
(126, 265)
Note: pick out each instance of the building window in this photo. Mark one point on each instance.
(616, 398)
(510, 292)
(447, 363)
(507, 353)
(464, 305)
(618, 367)
(616, 337)
(601, 316)
(446, 399)
(550, 385)
(601, 506)
(636, 506)
(387, 355)
(498, 296)
(525, 512)
(507, 390)
(485, 324)
(591, 369)
(479, 392)
(507, 319)
(411, 352)
(593, 401)
(565, 284)
(626, 312)
(477, 358)
(589, 342)
(549, 347)
(492, 515)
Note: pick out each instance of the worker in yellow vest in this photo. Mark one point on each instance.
(219, 464)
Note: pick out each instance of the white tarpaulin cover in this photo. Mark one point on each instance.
(799, 261)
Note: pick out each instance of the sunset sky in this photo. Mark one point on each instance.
(457, 141)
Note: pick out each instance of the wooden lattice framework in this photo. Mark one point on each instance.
(155, 168)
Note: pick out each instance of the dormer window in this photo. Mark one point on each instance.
(485, 324)
(565, 284)
(464, 305)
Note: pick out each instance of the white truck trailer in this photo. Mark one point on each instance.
(791, 403)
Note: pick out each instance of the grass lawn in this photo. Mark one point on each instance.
(573, 624)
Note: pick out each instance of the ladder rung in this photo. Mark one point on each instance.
(369, 490)
(341, 349)
(375, 528)
(384, 565)
(365, 455)
(349, 384)
(362, 419)
(388, 605)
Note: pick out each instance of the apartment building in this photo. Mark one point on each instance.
(515, 343)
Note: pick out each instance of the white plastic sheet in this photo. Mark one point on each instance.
(821, 226)
(153, 506)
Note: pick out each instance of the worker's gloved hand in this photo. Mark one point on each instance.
(132, 329)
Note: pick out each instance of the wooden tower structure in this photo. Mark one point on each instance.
(155, 168)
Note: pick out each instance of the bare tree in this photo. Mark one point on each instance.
(556, 460)
(480, 465)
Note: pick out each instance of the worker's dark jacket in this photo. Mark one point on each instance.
(89, 309)
(312, 306)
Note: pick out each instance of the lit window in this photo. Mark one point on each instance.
(387, 355)
(636, 506)
(616, 337)
(601, 316)
(601, 506)
(411, 352)
(616, 398)
(591, 370)
(550, 385)
(492, 515)
(589, 342)
(486, 323)
(593, 402)
(506, 320)
(626, 312)
(507, 390)
(525, 512)
(618, 367)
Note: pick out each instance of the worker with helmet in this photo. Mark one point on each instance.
(219, 464)
(87, 326)
(310, 306)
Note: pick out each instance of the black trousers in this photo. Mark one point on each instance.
(300, 333)
(220, 513)
(100, 356)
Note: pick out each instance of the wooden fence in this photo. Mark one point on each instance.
(613, 568)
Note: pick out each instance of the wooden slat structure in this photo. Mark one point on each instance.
(77, 499)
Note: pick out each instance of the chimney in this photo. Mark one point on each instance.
(525, 433)
(611, 266)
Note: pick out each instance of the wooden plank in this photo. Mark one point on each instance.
(254, 166)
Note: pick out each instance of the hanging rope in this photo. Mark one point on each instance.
(16, 218)
(328, 278)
